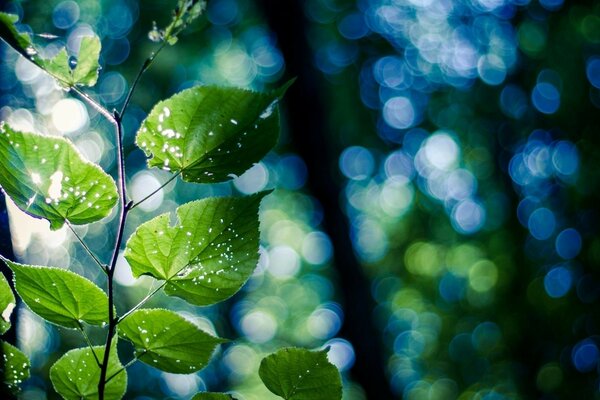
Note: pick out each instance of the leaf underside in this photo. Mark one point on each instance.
(211, 134)
(207, 256)
(47, 178)
(300, 374)
(76, 374)
(14, 367)
(167, 341)
(60, 296)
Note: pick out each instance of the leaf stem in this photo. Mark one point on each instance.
(89, 343)
(142, 302)
(147, 63)
(129, 364)
(175, 175)
(85, 246)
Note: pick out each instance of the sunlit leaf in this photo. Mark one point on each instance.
(207, 256)
(47, 177)
(76, 375)
(14, 367)
(167, 341)
(300, 374)
(84, 73)
(60, 296)
(7, 304)
(212, 396)
(211, 134)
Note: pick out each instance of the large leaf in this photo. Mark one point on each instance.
(212, 396)
(207, 256)
(300, 374)
(76, 375)
(84, 73)
(60, 296)
(48, 178)
(211, 134)
(167, 341)
(14, 367)
(7, 304)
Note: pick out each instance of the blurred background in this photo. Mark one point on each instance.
(435, 220)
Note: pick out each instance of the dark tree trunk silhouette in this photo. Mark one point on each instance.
(309, 137)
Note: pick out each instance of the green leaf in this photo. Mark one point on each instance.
(76, 375)
(167, 341)
(211, 134)
(60, 296)
(86, 71)
(21, 42)
(300, 374)
(212, 396)
(207, 256)
(47, 178)
(14, 367)
(7, 304)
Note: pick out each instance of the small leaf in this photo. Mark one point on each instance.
(167, 341)
(14, 367)
(21, 42)
(47, 177)
(211, 134)
(86, 71)
(212, 396)
(76, 375)
(300, 374)
(60, 296)
(207, 256)
(7, 304)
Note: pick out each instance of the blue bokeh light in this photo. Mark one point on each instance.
(468, 216)
(568, 243)
(65, 14)
(565, 158)
(546, 98)
(592, 71)
(558, 282)
(585, 355)
(357, 163)
(541, 223)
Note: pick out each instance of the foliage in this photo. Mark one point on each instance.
(205, 134)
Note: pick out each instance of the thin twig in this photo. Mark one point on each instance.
(175, 175)
(89, 343)
(85, 246)
(129, 364)
(147, 63)
(142, 302)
